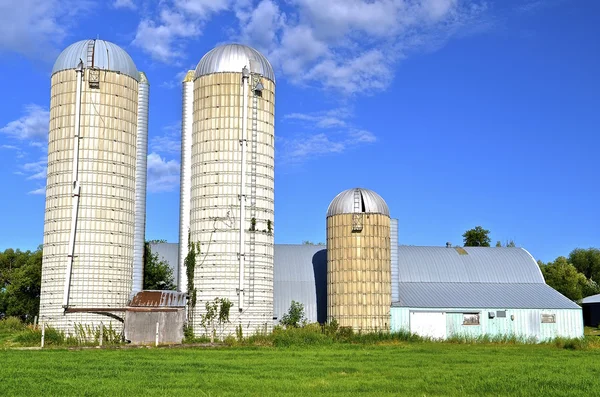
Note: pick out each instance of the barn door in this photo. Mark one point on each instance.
(428, 324)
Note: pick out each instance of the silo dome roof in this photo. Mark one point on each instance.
(358, 200)
(232, 58)
(99, 54)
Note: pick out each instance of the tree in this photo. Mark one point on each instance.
(564, 277)
(294, 318)
(20, 283)
(158, 275)
(587, 261)
(478, 237)
(509, 243)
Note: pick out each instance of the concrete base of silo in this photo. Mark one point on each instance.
(141, 325)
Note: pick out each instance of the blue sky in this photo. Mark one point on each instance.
(458, 112)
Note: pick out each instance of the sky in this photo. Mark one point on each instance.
(458, 113)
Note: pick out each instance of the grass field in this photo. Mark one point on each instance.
(413, 369)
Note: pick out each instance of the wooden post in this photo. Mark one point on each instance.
(35, 320)
(156, 342)
(43, 334)
(101, 333)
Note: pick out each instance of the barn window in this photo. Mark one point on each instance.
(470, 318)
(548, 318)
(501, 314)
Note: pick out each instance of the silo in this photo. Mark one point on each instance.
(94, 149)
(359, 261)
(232, 185)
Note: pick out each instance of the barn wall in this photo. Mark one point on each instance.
(526, 323)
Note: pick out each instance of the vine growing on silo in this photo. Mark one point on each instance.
(190, 265)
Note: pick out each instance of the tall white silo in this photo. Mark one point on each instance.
(95, 193)
(231, 174)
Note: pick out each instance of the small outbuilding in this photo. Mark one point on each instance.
(591, 310)
(155, 317)
(475, 291)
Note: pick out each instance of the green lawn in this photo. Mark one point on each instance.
(413, 369)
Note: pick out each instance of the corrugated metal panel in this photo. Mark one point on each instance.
(372, 203)
(186, 176)
(105, 56)
(591, 299)
(168, 252)
(232, 58)
(497, 295)
(158, 299)
(394, 255)
(140, 184)
(300, 275)
(480, 265)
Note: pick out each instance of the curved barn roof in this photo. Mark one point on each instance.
(233, 58)
(467, 265)
(99, 54)
(300, 274)
(358, 200)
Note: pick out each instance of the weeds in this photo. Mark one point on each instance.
(11, 324)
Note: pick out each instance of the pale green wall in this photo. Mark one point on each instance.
(527, 322)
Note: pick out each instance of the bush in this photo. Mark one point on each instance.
(295, 316)
(33, 336)
(12, 324)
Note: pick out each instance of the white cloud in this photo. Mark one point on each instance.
(163, 175)
(202, 8)
(31, 127)
(163, 40)
(323, 133)
(177, 80)
(169, 142)
(35, 28)
(351, 46)
(124, 4)
(164, 37)
(41, 190)
(35, 170)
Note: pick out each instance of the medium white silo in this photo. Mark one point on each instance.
(95, 193)
(231, 176)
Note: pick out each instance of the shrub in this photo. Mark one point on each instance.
(12, 324)
(295, 316)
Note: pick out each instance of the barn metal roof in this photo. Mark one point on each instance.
(358, 200)
(591, 299)
(482, 295)
(301, 275)
(233, 58)
(99, 54)
(467, 265)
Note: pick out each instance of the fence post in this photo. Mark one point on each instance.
(101, 333)
(156, 342)
(43, 333)
(35, 320)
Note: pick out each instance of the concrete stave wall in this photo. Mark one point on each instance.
(214, 206)
(103, 264)
(359, 272)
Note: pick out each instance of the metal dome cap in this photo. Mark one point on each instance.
(99, 54)
(358, 200)
(232, 58)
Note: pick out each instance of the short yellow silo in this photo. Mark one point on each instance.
(359, 261)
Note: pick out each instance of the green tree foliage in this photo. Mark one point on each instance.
(478, 237)
(294, 318)
(587, 261)
(158, 275)
(564, 277)
(20, 283)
